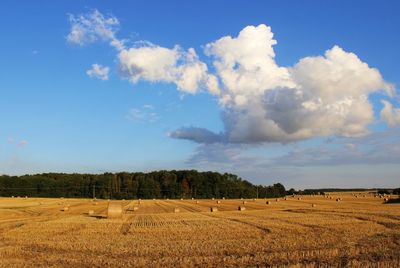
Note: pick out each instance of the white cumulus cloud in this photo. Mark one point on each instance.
(324, 95)
(160, 64)
(318, 96)
(98, 71)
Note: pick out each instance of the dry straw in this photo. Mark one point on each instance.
(114, 211)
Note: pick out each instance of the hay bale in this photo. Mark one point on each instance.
(91, 212)
(95, 203)
(176, 210)
(135, 208)
(254, 200)
(114, 211)
(277, 200)
(386, 200)
(299, 198)
(65, 209)
(244, 202)
(26, 197)
(313, 205)
(223, 198)
(197, 202)
(181, 199)
(212, 198)
(12, 196)
(218, 202)
(241, 208)
(213, 209)
(285, 198)
(268, 203)
(338, 199)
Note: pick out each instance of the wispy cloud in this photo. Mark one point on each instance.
(23, 143)
(98, 71)
(144, 114)
(90, 27)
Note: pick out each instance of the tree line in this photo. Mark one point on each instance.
(133, 185)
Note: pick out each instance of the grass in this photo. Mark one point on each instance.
(357, 232)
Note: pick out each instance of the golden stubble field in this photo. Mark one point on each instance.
(355, 232)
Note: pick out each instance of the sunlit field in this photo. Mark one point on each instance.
(359, 230)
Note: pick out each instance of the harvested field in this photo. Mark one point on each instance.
(357, 231)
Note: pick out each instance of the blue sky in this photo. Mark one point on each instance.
(130, 115)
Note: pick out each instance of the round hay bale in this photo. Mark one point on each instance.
(223, 198)
(114, 211)
(313, 205)
(135, 208)
(268, 203)
(254, 199)
(192, 198)
(285, 198)
(12, 196)
(241, 208)
(197, 202)
(277, 200)
(212, 198)
(299, 198)
(26, 197)
(181, 199)
(176, 210)
(91, 212)
(213, 209)
(218, 202)
(386, 200)
(244, 202)
(65, 209)
(337, 199)
(95, 203)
